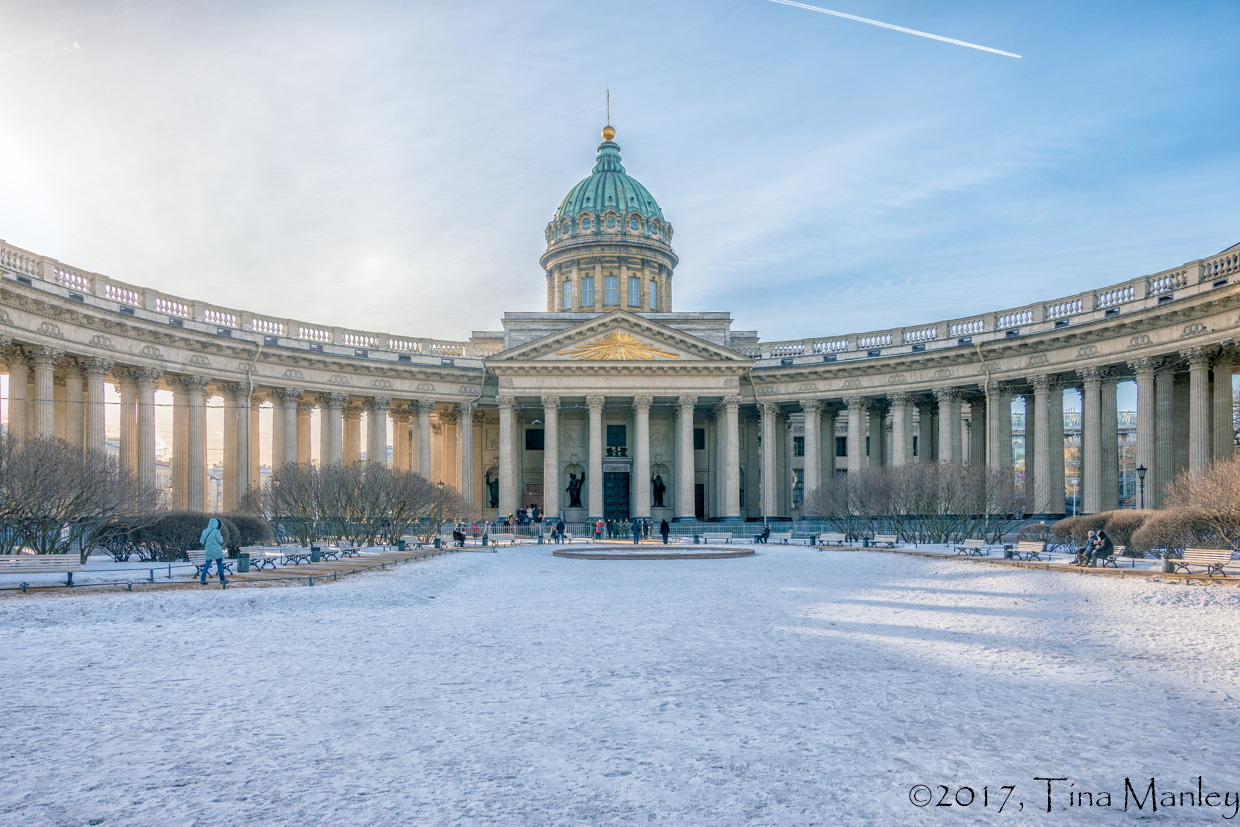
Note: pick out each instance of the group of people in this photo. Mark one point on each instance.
(1098, 547)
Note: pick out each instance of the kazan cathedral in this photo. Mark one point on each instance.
(613, 404)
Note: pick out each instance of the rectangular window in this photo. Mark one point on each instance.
(915, 446)
(635, 291)
(616, 436)
(587, 292)
(699, 439)
(841, 446)
(654, 295)
(534, 439)
(611, 290)
(798, 446)
(567, 303)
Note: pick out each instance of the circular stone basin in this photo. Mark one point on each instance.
(659, 553)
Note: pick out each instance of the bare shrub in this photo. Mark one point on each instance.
(1073, 531)
(1175, 529)
(1122, 523)
(1214, 495)
(1039, 532)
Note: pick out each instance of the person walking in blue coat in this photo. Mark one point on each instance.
(212, 540)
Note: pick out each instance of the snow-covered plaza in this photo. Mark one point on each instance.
(793, 687)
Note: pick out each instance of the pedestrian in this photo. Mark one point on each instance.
(598, 530)
(637, 530)
(213, 541)
(559, 530)
(665, 530)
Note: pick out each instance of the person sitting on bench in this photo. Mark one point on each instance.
(1103, 548)
(764, 536)
(1083, 553)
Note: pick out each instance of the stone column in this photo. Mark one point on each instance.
(96, 371)
(641, 455)
(875, 431)
(594, 484)
(950, 448)
(857, 409)
(1091, 440)
(732, 458)
(1054, 439)
(999, 427)
(1109, 408)
(813, 452)
(1224, 438)
(331, 411)
(195, 443)
(74, 413)
(237, 454)
(977, 429)
(19, 380)
(127, 387)
(1038, 453)
(598, 308)
(351, 451)
(685, 475)
(1200, 447)
(376, 432)
(551, 458)
(901, 429)
(718, 464)
(146, 379)
(180, 444)
(507, 494)
(424, 437)
(465, 449)
(1164, 445)
(284, 431)
(1146, 428)
(770, 454)
(926, 437)
(305, 412)
(43, 360)
(401, 448)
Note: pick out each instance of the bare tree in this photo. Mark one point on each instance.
(53, 495)
(1214, 496)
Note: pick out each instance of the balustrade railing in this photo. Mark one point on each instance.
(966, 328)
(173, 308)
(268, 327)
(1167, 283)
(925, 334)
(1064, 309)
(1117, 295)
(1014, 319)
(879, 340)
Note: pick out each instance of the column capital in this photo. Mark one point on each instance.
(147, 376)
(289, 396)
(899, 399)
(506, 401)
(237, 391)
(191, 382)
(1041, 384)
(333, 401)
(1091, 375)
(995, 387)
(550, 403)
(642, 403)
(378, 404)
(479, 418)
(1143, 367)
(686, 401)
(811, 406)
(44, 356)
(352, 414)
(465, 409)
(732, 401)
(448, 417)
(1198, 356)
(595, 403)
(946, 394)
(96, 368)
(768, 408)
(71, 365)
(857, 403)
(401, 414)
(14, 353)
(424, 406)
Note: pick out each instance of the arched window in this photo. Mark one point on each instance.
(654, 295)
(567, 302)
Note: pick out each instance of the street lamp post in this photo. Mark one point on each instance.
(1074, 483)
(1141, 469)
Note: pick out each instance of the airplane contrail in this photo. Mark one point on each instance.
(897, 28)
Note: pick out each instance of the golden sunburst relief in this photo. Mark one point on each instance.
(616, 345)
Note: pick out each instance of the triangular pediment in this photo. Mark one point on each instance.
(619, 337)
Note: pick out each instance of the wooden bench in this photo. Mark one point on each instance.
(1112, 559)
(66, 564)
(501, 539)
(262, 557)
(888, 540)
(781, 536)
(717, 536)
(832, 537)
(972, 548)
(296, 554)
(198, 559)
(1029, 550)
(1212, 558)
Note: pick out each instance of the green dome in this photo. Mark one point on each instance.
(609, 187)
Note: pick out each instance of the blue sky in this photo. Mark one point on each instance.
(391, 166)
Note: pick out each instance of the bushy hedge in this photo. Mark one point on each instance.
(167, 536)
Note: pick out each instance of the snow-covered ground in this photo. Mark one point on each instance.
(794, 687)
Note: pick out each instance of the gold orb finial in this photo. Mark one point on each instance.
(608, 133)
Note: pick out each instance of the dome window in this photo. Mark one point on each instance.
(611, 223)
(634, 224)
(585, 223)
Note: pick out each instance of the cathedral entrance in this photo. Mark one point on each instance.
(616, 495)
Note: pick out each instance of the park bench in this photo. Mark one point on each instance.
(832, 537)
(65, 564)
(780, 536)
(972, 548)
(198, 559)
(888, 540)
(350, 551)
(501, 539)
(296, 554)
(1029, 550)
(262, 557)
(717, 537)
(1212, 558)
(1112, 559)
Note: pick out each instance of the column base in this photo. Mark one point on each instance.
(684, 519)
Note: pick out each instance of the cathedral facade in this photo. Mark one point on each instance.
(611, 403)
